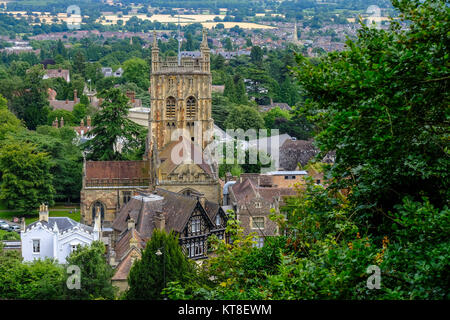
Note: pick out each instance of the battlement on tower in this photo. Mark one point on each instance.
(187, 65)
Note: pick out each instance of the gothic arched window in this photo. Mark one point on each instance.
(98, 204)
(191, 108)
(170, 107)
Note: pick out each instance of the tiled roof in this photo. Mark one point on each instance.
(117, 169)
(62, 104)
(167, 165)
(247, 190)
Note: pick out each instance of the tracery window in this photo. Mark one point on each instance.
(191, 108)
(170, 107)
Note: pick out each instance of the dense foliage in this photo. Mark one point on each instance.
(152, 272)
(47, 280)
(382, 105)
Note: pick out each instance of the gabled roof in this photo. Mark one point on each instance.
(176, 208)
(124, 267)
(168, 165)
(122, 247)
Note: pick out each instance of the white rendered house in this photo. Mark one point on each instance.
(56, 237)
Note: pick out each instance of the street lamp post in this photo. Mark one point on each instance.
(159, 253)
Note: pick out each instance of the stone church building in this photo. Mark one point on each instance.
(180, 125)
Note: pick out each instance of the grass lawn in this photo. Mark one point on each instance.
(29, 218)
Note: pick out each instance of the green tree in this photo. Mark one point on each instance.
(26, 178)
(79, 112)
(8, 121)
(382, 105)
(256, 55)
(149, 275)
(136, 70)
(96, 273)
(32, 103)
(244, 117)
(110, 125)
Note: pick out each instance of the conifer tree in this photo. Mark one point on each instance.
(162, 262)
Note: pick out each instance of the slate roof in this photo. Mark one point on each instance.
(293, 152)
(63, 223)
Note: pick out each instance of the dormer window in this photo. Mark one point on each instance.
(218, 220)
(195, 225)
(258, 223)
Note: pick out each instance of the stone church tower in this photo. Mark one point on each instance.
(180, 96)
(180, 92)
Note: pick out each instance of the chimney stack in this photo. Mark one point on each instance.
(88, 121)
(22, 225)
(55, 123)
(43, 212)
(61, 122)
(160, 221)
(131, 224)
(75, 96)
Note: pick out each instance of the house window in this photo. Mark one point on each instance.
(73, 247)
(257, 204)
(195, 226)
(258, 223)
(191, 108)
(259, 242)
(195, 249)
(318, 181)
(218, 220)
(36, 246)
(170, 107)
(126, 196)
(198, 248)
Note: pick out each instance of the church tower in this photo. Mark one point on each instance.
(180, 93)
(295, 34)
(180, 115)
